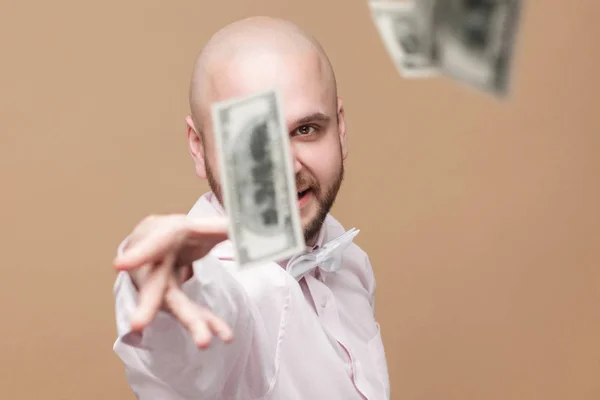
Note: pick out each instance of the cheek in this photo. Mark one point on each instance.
(211, 159)
(323, 161)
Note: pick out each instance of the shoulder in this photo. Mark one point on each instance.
(204, 206)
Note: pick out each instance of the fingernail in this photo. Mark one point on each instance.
(202, 342)
(227, 338)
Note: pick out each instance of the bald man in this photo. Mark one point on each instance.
(279, 336)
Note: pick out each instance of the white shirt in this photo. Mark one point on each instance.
(316, 338)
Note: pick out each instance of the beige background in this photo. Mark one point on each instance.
(481, 217)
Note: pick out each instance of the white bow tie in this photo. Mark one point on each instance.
(327, 257)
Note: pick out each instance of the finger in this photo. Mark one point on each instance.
(151, 294)
(159, 242)
(218, 326)
(189, 315)
(217, 226)
(146, 251)
(184, 273)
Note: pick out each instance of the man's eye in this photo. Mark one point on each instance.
(304, 130)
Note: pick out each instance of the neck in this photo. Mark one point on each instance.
(316, 238)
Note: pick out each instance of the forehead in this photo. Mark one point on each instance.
(302, 78)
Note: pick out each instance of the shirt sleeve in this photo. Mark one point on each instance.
(163, 361)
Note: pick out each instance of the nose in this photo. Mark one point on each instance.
(295, 160)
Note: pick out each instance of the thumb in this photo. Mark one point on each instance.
(213, 225)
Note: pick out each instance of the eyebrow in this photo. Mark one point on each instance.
(315, 117)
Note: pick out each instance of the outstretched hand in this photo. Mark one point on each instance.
(159, 256)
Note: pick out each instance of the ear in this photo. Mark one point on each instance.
(196, 147)
(342, 127)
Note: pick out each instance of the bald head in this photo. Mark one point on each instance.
(253, 54)
(262, 53)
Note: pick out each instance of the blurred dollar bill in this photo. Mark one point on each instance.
(257, 179)
(473, 41)
(406, 35)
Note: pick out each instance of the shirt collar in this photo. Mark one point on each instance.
(212, 199)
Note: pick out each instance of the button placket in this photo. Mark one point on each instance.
(326, 310)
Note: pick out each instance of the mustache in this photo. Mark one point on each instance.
(307, 181)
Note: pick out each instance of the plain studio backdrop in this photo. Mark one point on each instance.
(481, 217)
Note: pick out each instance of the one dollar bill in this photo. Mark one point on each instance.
(257, 178)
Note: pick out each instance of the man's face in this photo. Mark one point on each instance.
(314, 119)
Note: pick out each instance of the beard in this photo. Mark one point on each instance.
(325, 197)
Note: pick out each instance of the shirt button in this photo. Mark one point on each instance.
(324, 302)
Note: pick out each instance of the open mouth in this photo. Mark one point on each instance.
(303, 193)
